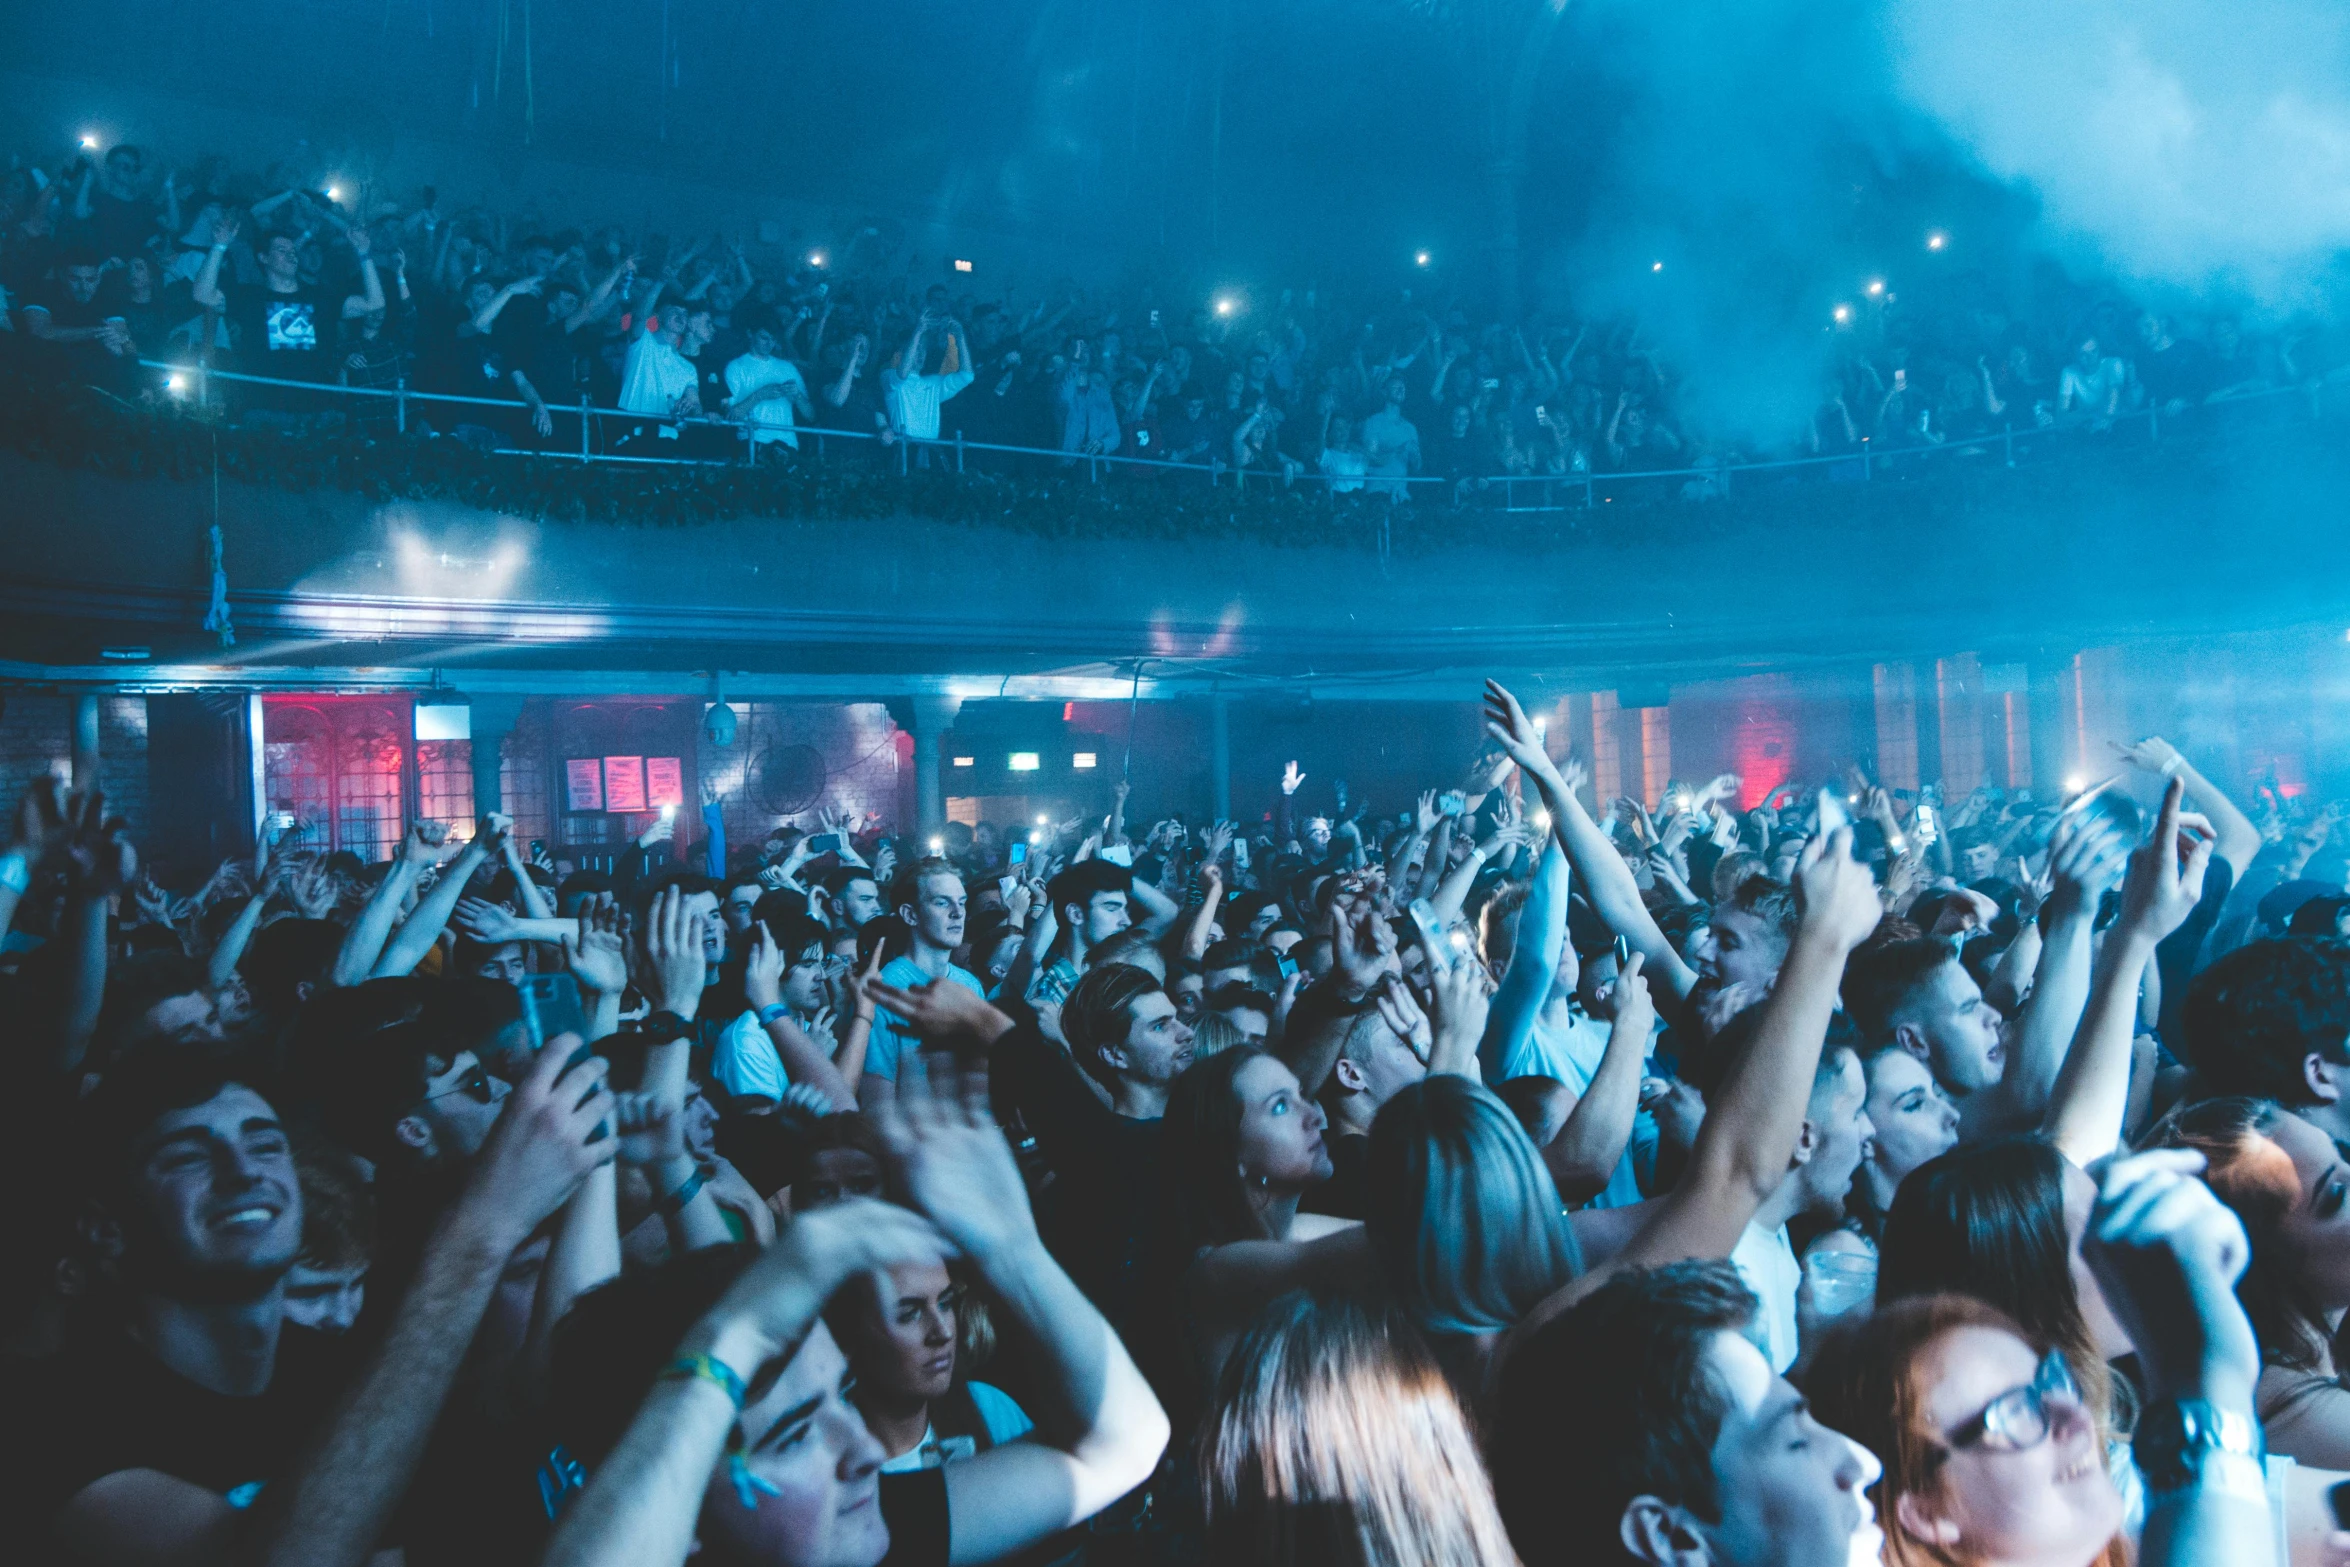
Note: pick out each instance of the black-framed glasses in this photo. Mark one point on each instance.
(474, 1083)
(2018, 1418)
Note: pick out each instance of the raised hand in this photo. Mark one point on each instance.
(2085, 857)
(1291, 778)
(1216, 840)
(940, 1009)
(2164, 885)
(2152, 754)
(667, 964)
(950, 1157)
(1837, 893)
(650, 1125)
(1507, 725)
(1425, 815)
(551, 1133)
(763, 969)
(427, 843)
(491, 924)
(98, 857)
(1400, 1011)
(2167, 1254)
(1363, 944)
(1461, 1002)
(1629, 1001)
(594, 955)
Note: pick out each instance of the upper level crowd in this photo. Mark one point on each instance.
(1504, 1175)
(110, 257)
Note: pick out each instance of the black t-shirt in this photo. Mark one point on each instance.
(914, 1505)
(120, 225)
(291, 335)
(103, 1404)
(518, 339)
(1096, 1217)
(1346, 1194)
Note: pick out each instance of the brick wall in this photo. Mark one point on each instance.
(36, 737)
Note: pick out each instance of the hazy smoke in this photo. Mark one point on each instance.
(2178, 142)
(1775, 154)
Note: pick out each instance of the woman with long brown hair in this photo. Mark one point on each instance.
(1335, 1441)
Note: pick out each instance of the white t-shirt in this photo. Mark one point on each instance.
(771, 418)
(1765, 1259)
(655, 377)
(746, 1063)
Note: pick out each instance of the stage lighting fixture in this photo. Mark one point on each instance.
(89, 143)
(1843, 313)
(1936, 241)
(962, 266)
(966, 761)
(1421, 258)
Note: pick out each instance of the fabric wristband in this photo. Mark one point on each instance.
(772, 1011)
(672, 1205)
(748, 1487)
(707, 1368)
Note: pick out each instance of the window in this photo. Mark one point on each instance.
(444, 784)
(338, 766)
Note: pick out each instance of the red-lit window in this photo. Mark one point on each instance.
(339, 767)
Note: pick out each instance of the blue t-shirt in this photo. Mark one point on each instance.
(892, 1033)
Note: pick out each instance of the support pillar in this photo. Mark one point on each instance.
(933, 717)
(85, 741)
(492, 719)
(1219, 758)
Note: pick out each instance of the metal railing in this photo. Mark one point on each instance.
(1550, 492)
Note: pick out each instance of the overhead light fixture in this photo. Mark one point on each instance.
(1024, 762)
(89, 143)
(1937, 240)
(1081, 760)
(1876, 286)
(1421, 258)
(962, 265)
(966, 761)
(1843, 314)
(125, 655)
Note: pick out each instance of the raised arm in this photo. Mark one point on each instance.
(642, 1506)
(804, 1061)
(1534, 962)
(544, 1145)
(421, 929)
(99, 862)
(2085, 863)
(2237, 839)
(206, 289)
(1607, 880)
(426, 843)
(1584, 1155)
(2086, 1111)
(1750, 1130)
(1099, 1431)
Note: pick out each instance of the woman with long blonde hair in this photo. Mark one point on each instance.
(1336, 1441)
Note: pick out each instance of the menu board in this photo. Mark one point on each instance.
(664, 781)
(583, 784)
(624, 783)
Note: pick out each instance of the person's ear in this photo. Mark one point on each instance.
(303, 989)
(1807, 1143)
(1914, 1511)
(101, 1232)
(412, 1132)
(1912, 1039)
(1660, 1535)
(1350, 1076)
(2323, 1078)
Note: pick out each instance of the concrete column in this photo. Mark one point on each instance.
(933, 717)
(492, 720)
(1219, 758)
(85, 741)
